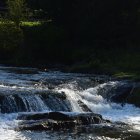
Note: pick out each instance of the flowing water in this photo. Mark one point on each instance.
(20, 91)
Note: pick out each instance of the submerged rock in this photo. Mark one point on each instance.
(58, 120)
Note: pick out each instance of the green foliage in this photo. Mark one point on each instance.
(43, 41)
(93, 36)
(17, 11)
(11, 38)
(124, 75)
(30, 23)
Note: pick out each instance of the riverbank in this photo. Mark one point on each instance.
(48, 46)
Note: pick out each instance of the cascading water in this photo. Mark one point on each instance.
(28, 92)
(93, 98)
(34, 103)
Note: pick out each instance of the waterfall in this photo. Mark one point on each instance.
(94, 97)
(97, 100)
(34, 103)
(22, 103)
(27, 93)
(73, 97)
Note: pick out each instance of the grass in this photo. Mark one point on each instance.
(30, 23)
(123, 75)
(23, 23)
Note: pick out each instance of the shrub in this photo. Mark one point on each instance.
(17, 10)
(11, 38)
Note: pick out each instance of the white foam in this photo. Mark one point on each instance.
(112, 111)
(73, 97)
(7, 124)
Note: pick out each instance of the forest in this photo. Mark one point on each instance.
(77, 36)
(69, 69)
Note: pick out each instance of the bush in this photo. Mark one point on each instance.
(11, 38)
(17, 11)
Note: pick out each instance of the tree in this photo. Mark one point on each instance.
(17, 11)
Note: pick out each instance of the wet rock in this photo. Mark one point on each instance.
(84, 107)
(46, 125)
(128, 93)
(47, 94)
(121, 94)
(134, 97)
(58, 120)
(89, 118)
(58, 116)
(32, 116)
(49, 115)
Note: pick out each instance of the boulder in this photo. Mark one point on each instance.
(57, 120)
(128, 93)
(46, 125)
(134, 97)
(121, 94)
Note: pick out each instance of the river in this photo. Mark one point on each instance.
(18, 88)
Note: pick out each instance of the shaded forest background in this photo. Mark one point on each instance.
(100, 36)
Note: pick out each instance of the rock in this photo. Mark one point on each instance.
(58, 116)
(128, 93)
(47, 94)
(134, 97)
(58, 120)
(121, 94)
(89, 118)
(47, 125)
(84, 107)
(33, 116)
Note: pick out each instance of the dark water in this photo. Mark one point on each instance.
(20, 90)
